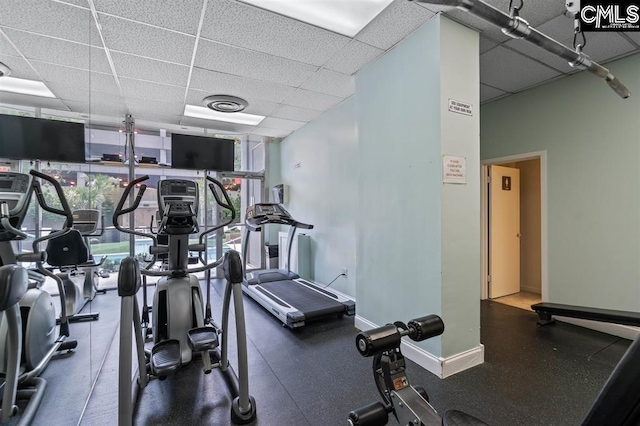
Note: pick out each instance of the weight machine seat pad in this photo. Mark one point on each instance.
(458, 418)
(311, 303)
(14, 280)
(67, 250)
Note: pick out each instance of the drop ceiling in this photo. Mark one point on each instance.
(108, 58)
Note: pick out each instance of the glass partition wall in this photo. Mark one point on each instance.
(99, 184)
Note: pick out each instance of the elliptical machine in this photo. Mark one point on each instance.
(181, 327)
(28, 317)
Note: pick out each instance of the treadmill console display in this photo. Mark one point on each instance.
(259, 210)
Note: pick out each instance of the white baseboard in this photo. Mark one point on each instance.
(441, 367)
(623, 331)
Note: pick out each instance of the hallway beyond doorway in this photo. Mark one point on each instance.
(522, 300)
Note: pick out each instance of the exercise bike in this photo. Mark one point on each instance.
(181, 326)
(28, 318)
(410, 405)
(70, 253)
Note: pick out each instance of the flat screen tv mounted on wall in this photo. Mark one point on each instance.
(29, 138)
(202, 153)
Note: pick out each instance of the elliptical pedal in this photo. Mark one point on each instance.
(165, 357)
(203, 339)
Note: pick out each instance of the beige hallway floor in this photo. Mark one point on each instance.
(522, 300)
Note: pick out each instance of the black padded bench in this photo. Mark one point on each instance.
(546, 311)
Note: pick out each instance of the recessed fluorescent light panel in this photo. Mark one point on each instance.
(25, 87)
(346, 17)
(229, 117)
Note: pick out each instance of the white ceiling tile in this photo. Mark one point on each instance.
(487, 93)
(19, 67)
(331, 83)
(6, 48)
(183, 17)
(77, 77)
(257, 29)
(279, 123)
(158, 119)
(540, 54)
(96, 108)
(435, 8)
(147, 90)
(141, 107)
(635, 36)
(274, 133)
(507, 70)
(50, 18)
(256, 106)
(312, 100)
(144, 40)
(604, 46)
(150, 70)
(486, 44)
(34, 101)
(59, 52)
(83, 94)
(216, 125)
(559, 28)
(295, 113)
(216, 83)
(352, 57)
(247, 63)
(82, 3)
(394, 23)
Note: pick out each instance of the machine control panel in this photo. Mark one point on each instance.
(179, 193)
(86, 221)
(15, 191)
(267, 209)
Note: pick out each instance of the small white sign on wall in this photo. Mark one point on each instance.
(460, 107)
(454, 169)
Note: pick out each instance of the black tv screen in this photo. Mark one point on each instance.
(202, 153)
(28, 138)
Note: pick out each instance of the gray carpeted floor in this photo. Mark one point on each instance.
(315, 376)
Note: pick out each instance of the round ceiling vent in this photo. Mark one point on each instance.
(4, 70)
(225, 103)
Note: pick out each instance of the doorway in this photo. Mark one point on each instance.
(514, 230)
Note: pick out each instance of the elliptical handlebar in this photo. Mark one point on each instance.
(119, 211)
(227, 204)
(68, 224)
(66, 210)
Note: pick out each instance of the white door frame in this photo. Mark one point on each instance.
(484, 217)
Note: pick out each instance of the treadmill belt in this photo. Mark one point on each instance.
(312, 304)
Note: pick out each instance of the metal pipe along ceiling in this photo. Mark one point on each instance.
(518, 28)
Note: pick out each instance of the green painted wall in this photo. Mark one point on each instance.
(592, 139)
(319, 163)
(417, 239)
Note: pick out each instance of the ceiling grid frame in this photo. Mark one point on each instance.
(324, 81)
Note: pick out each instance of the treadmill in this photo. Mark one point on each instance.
(293, 300)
